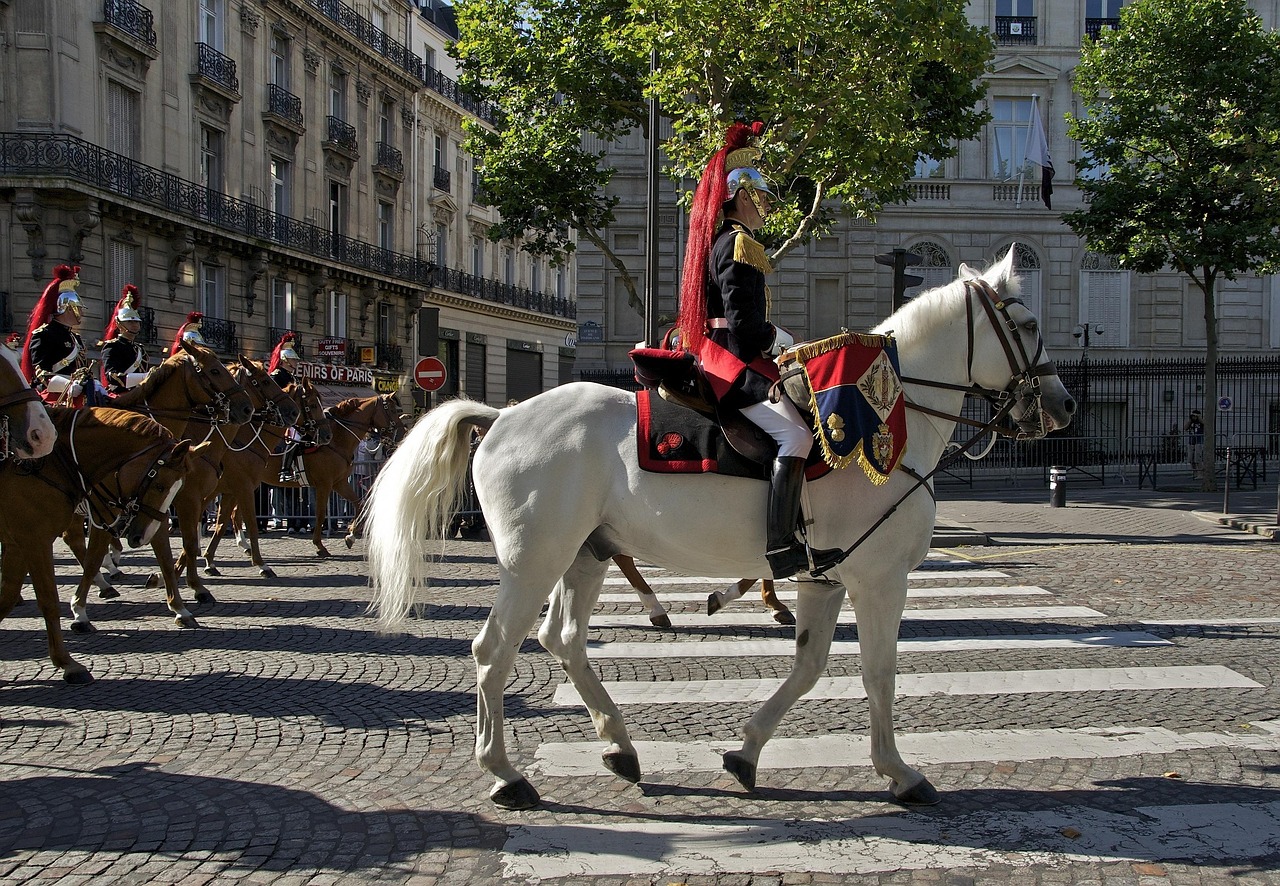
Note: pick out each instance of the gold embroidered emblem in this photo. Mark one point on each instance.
(835, 426)
(883, 441)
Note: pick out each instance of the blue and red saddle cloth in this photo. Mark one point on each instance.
(855, 401)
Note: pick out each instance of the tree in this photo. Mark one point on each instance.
(1180, 138)
(852, 91)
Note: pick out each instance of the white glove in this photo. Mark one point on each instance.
(56, 384)
(133, 379)
(782, 339)
(76, 389)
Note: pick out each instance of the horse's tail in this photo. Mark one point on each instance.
(413, 500)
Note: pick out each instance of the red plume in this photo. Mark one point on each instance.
(42, 312)
(285, 341)
(704, 218)
(193, 317)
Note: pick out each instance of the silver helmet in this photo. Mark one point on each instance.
(750, 179)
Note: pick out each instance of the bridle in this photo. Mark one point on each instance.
(308, 423)
(373, 424)
(269, 413)
(216, 408)
(21, 396)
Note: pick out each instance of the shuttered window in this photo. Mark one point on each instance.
(1104, 300)
(122, 268)
(477, 361)
(524, 374)
(122, 120)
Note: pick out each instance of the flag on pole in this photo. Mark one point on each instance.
(1038, 152)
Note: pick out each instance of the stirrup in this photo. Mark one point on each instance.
(799, 557)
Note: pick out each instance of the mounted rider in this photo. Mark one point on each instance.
(124, 359)
(724, 321)
(189, 331)
(283, 365)
(54, 357)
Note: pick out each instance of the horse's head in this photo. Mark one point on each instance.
(211, 385)
(1006, 353)
(152, 486)
(390, 419)
(270, 403)
(25, 428)
(312, 423)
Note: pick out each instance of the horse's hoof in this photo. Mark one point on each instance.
(108, 593)
(82, 627)
(322, 552)
(153, 581)
(784, 617)
(660, 621)
(713, 604)
(920, 794)
(349, 541)
(740, 768)
(625, 766)
(204, 597)
(267, 572)
(78, 678)
(211, 570)
(186, 621)
(516, 795)
(114, 574)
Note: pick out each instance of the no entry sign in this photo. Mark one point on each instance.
(429, 373)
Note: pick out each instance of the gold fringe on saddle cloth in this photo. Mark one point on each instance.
(855, 398)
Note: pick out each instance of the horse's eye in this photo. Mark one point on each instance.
(1032, 326)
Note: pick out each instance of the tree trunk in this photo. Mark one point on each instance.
(1209, 458)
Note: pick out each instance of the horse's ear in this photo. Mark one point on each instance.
(1002, 272)
(180, 450)
(967, 273)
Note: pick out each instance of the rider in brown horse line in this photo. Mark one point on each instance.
(724, 321)
(124, 359)
(54, 358)
(283, 364)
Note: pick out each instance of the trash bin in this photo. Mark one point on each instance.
(1057, 487)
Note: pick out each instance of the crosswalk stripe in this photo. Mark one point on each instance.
(934, 574)
(791, 593)
(759, 616)
(954, 683)
(582, 758)
(906, 645)
(1208, 833)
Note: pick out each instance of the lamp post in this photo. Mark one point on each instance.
(1081, 334)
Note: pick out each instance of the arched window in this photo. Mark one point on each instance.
(935, 267)
(1104, 299)
(1026, 263)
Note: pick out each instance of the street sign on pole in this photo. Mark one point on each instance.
(900, 260)
(429, 374)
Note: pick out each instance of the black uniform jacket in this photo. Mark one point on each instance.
(56, 350)
(736, 292)
(119, 358)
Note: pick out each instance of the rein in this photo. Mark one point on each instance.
(22, 395)
(217, 408)
(100, 502)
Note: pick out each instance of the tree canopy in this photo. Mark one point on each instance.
(851, 92)
(1180, 139)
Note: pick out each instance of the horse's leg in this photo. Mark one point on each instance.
(219, 526)
(718, 600)
(321, 491)
(515, 609)
(99, 542)
(818, 610)
(13, 572)
(657, 612)
(246, 517)
(40, 564)
(115, 554)
(182, 616)
(781, 614)
(878, 611)
(73, 537)
(190, 507)
(564, 635)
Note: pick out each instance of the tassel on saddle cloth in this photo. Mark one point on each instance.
(855, 399)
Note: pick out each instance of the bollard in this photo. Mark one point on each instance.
(1057, 487)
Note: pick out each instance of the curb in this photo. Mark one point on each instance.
(947, 534)
(1258, 525)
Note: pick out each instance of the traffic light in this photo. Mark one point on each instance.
(900, 260)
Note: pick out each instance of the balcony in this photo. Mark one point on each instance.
(479, 197)
(132, 18)
(284, 105)
(64, 161)
(220, 335)
(1095, 26)
(929, 191)
(341, 136)
(388, 160)
(390, 357)
(441, 179)
(217, 70)
(275, 333)
(1016, 30)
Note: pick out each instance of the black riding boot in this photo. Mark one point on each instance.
(289, 463)
(788, 555)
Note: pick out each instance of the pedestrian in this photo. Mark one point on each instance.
(1194, 427)
(724, 321)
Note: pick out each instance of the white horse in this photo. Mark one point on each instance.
(558, 480)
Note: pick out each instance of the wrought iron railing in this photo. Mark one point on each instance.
(479, 196)
(131, 17)
(388, 158)
(502, 293)
(70, 158)
(453, 91)
(284, 103)
(214, 66)
(441, 178)
(342, 134)
(1016, 30)
(148, 334)
(1095, 26)
(275, 333)
(220, 335)
(6, 316)
(390, 357)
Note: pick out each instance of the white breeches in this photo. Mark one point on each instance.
(783, 423)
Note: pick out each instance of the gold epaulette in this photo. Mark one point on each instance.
(750, 251)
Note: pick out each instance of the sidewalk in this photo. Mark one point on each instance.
(1116, 513)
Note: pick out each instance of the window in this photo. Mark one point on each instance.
(535, 274)
(337, 92)
(1102, 8)
(385, 130)
(1027, 265)
(934, 269)
(442, 244)
(122, 268)
(211, 153)
(336, 315)
(386, 231)
(281, 304)
(213, 290)
(1104, 300)
(337, 209)
(827, 308)
(429, 58)
(210, 23)
(281, 172)
(559, 283)
(508, 266)
(1015, 7)
(927, 167)
(438, 154)
(280, 60)
(1010, 128)
(123, 120)
(477, 257)
(386, 323)
(1275, 312)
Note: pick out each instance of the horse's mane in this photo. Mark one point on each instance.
(348, 406)
(154, 379)
(105, 416)
(935, 306)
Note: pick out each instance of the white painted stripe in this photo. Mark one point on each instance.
(792, 593)
(1211, 621)
(932, 574)
(759, 616)
(582, 758)
(1210, 832)
(956, 683)
(906, 645)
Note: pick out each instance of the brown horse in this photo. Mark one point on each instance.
(25, 428)
(328, 467)
(247, 468)
(125, 467)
